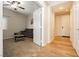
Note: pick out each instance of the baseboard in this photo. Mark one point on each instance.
(44, 44)
(66, 36)
(77, 51)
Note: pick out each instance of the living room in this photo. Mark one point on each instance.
(18, 25)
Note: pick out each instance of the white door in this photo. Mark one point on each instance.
(37, 16)
(65, 26)
(62, 25)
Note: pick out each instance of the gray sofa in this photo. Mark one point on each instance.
(27, 33)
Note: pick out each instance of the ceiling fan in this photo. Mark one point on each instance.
(14, 4)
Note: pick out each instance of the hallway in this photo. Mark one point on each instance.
(62, 46)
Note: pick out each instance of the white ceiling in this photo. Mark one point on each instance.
(61, 7)
(54, 3)
(29, 6)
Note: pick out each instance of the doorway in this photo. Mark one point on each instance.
(62, 25)
(23, 28)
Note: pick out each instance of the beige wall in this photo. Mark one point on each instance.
(15, 23)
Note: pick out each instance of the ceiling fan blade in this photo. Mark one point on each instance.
(9, 2)
(21, 7)
(5, 4)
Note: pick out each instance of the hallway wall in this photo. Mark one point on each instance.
(75, 26)
(45, 24)
(48, 24)
(51, 25)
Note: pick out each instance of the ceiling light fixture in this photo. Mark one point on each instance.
(67, 10)
(14, 5)
(61, 8)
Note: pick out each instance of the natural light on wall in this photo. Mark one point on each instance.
(4, 23)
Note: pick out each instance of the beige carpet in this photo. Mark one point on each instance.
(60, 47)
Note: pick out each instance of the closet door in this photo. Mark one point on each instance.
(37, 16)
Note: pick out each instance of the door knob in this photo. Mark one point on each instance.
(62, 27)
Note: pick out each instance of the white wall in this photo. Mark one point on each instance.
(62, 20)
(1, 33)
(47, 24)
(37, 16)
(75, 26)
(15, 23)
(51, 24)
(28, 21)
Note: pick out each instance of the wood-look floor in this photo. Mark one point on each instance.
(59, 47)
(62, 46)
